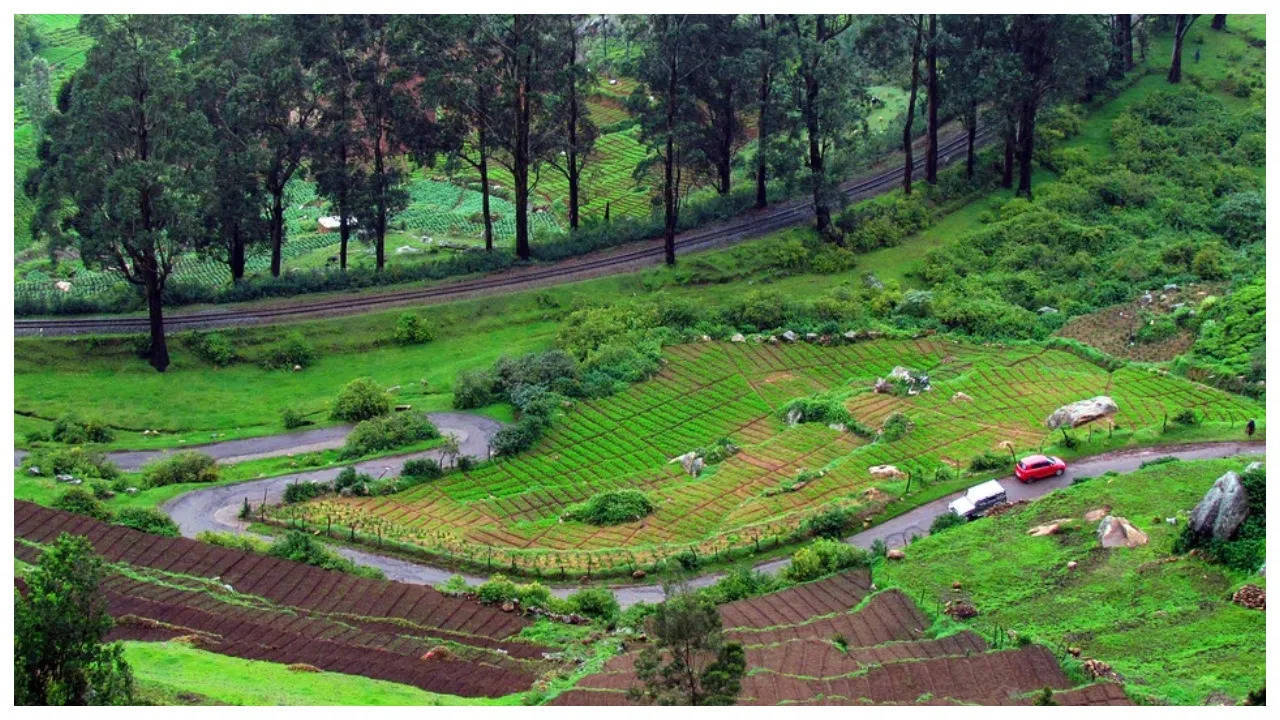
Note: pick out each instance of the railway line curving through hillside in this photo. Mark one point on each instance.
(627, 258)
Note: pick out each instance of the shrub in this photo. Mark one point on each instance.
(895, 428)
(82, 501)
(148, 521)
(945, 521)
(293, 419)
(988, 460)
(515, 438)
(742, 582)
(350, 479)
(292, 351)
(248, 543)
(387, 432)
(757, 310)
(412, 330)
(596, 603)
(465, 462)
(187, 466)
(361, 399)
(474, 388)
(75, 461)
(832, 523)
(73, 430)
(824, 408)
(1241, 217)
(1185, 416)
(212, 347)
(823, 557)
(688, 560)
(301, 547)
(297, 492)
(611, 508)
(421, 468)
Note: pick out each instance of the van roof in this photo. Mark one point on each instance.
(986, 489)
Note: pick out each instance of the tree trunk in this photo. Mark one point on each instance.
(1219, 22)
(277, 228)
(908, 165)
(344, 230)
(1026, 136)
(817, 165)
(344, 210)
(931, 62)
(724, 156)
(972, 130)
(1175, 66)
(572, 158)
(380, 222)
(668, 167)
(762, 137)
(1128, 42)
(484, 192)
(235, 254)
(520, 158)
(1010, 139)
(158, 355)
(1116, 67)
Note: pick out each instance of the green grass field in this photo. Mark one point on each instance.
(711, 390)
(1165, 624)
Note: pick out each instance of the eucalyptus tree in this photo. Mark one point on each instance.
(769, 53)
(570, 151)
(1054, 57)
(886, 41)
(1182, 26)
(125, 173)
(722, 87)
(666, 107)
(37, 93)
(968, 49)
(934, 92)
(831, 103)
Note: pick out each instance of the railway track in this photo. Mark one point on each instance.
(745, 226)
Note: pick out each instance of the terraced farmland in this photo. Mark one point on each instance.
(264, 608)
(888, 656)
(506, 513)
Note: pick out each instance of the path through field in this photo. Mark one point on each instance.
(215, 509)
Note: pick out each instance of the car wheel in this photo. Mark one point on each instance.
(1059, 473)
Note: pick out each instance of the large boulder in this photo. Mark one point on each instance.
(690, 461)
(885, 472)
(1115, 531)
(1081, 412)
(1222, 508)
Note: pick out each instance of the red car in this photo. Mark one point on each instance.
(1038, 467)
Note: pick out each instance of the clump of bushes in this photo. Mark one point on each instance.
(896, 427)
(74, 430)
(945, 521)
(293, 351)
(212, 347)
(387, 432)
(740, 583)
(611, 508)
(827, 408)
(187, 466)
(293, 419)
(78, 500)
(832, 523)
(412, 330)
(988, 460)
(361, 399)
(75, 461)
(823, 557)
(148, 521)
(301, 547)
(297, 492)
(421, 468)
(248, 543)
(1186, 416)
(595, 603)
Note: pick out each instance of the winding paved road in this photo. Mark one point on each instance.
(215, 508)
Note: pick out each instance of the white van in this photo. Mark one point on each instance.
(977, 499)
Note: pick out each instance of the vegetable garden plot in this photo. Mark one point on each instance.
(506, 512)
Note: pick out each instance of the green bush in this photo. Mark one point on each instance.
(361, 399)
(1185, 416)
(386, 433)
(412, 330)
(301, 547)
(293, 419)
(75, 461)
(895, 427)
(611, 508)
(988, 460)
(187, 466)
(293, 351)
(297, 492)
(212, 347)
(832, 523)
(823, 557)
(74, 430)
(421, 468)
(757, 310)
(248, 543)
(474, 388)
(81, 501)
(945, 521)
(740, 583)
(148, 521)
(597, 603)
(351, 479)
(515, 438)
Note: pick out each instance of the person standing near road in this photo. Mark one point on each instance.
(1250, 427)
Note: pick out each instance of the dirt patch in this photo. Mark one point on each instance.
(1111, 329)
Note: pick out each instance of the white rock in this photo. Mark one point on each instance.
(737, 337)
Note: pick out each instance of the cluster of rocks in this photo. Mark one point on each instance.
(1116, 531)
(1082, 412)
(793, 336)
(1099, 670)
(691, 462)
(899, 377)
(1251, 596)
(960, 609)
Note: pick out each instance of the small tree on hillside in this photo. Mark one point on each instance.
(58, 655)
(689, 663)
